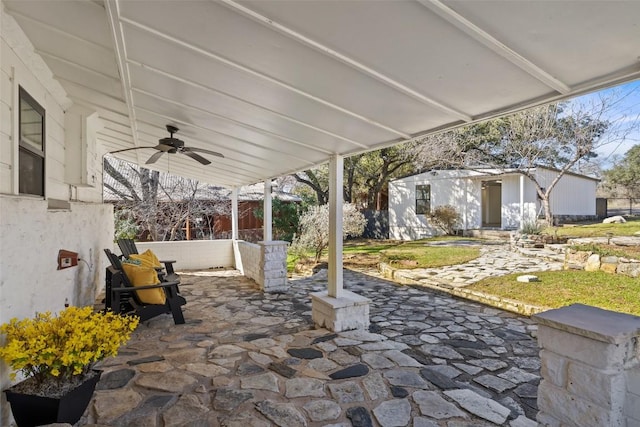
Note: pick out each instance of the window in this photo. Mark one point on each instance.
(423, 199)
(31, 146)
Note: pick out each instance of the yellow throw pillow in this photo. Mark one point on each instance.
(147, 258)
(143, 275)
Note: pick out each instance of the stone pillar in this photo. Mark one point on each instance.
(272, 266)
(350, 311)
(590, 367)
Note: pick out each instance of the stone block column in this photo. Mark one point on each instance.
(590, 367)
(272, 266)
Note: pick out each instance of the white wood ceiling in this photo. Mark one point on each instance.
(279, 86)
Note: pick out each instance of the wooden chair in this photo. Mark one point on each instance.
(128, 247)
(122, 298)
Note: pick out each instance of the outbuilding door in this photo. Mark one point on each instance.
(492, 204)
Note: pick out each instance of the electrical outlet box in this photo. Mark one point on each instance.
(67, 259)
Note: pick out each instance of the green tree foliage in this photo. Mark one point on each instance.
(366, 175)
(125, 225)
(286, 218)
(624, 177)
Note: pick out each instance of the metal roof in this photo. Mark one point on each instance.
(279, 86)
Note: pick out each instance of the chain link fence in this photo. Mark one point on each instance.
(622, 206)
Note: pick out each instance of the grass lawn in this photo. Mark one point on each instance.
(597, 230)
(560, 288)
(415, 254)
(418, 254)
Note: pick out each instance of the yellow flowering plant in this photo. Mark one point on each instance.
(63, 346)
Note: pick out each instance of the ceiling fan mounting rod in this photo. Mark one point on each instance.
(172, 129)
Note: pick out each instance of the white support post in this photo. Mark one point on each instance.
(337, 309)
(267, 217)
(335, 286)
(521, 201)
(234, 214)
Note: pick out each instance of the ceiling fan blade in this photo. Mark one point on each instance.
(129, 149)
(202, 150)
(154, 157)
(195, 156)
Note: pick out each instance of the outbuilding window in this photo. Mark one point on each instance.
(31, 146)
(423, 199)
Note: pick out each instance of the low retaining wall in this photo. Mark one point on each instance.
(589, 261)
(265, 263)
(250, 256)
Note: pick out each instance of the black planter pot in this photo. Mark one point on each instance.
(29, 410)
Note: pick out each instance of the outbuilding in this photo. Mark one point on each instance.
(485, 199)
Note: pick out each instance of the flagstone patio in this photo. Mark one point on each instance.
(245, 358)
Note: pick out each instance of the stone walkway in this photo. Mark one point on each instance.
(247, 359)
(495, 260)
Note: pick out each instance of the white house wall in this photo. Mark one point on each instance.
(34, 229)
(447, 188)
(573, 195)
(511, 212)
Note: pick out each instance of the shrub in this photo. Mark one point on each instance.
(65, 345)
(446, 218)
(314, 228)
(531, 227)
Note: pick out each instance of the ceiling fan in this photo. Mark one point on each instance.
(173, 145)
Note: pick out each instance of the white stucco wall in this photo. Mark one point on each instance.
(447, 188)
(31, 231)
(193, 254)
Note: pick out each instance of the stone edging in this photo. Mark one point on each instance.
(590, 261)
(511, 305)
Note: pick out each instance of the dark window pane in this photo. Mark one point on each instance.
(32, 146)
(31, 173)
(423, 199)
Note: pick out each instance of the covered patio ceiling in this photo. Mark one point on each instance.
(280, 86)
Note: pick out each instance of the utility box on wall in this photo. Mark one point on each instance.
(81, 157)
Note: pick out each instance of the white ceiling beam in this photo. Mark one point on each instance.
(77, 66)
(230, 120)
(102, 109)
(362, 68)
(262, 76)
(194, 126)
(209, 89)
(480, 35)
(84, 88)
(61, 31)
(115, 25)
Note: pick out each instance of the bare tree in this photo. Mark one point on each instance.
(162, 204)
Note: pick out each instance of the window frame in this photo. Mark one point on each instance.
(26, 149)
(420, 210)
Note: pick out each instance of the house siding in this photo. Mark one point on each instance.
(572, 196)
(33, 231)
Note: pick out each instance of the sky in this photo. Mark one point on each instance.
(624, 115)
